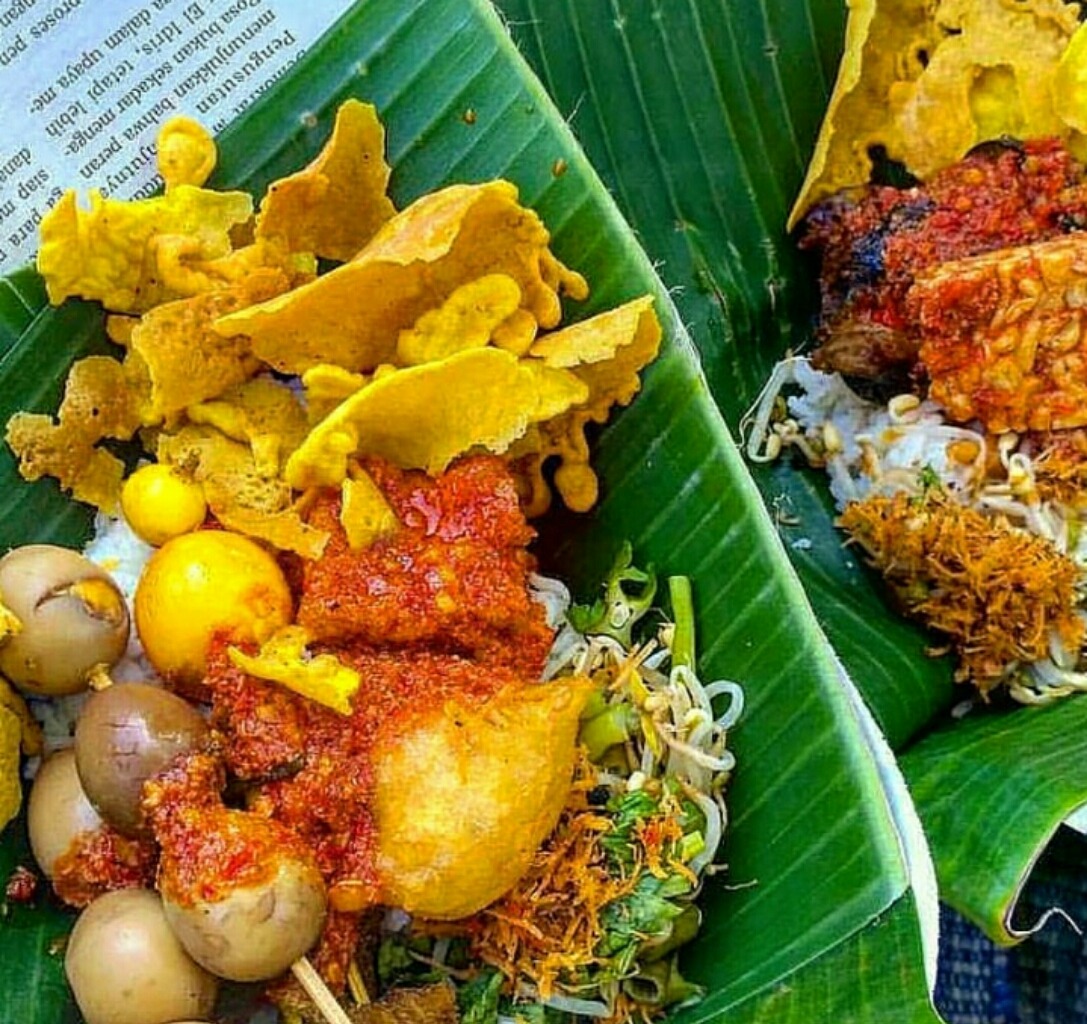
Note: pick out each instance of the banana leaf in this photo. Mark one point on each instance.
(700, 116)
(827, 908)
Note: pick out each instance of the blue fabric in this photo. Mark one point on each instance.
(1041, 981)
(974, 984)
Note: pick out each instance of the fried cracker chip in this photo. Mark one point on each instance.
(605, 339)
(466, 319)
(11, 790)
(334, 206)
(208, 454)
(262, 413)
(45, 448)
(119, 328)
(189, 276)
(109, 251)
(423, 417)
(351, 316)
(364, 513)
(10, 625)
(283, 659)
(991, 75)
(285, 529)
(927, 82)
(606, 352)
(32, 742)
(886, 41)
(516, 333)
(239, 494)
(575, 479)
(99, 402)
(326, 386)
(185, 151)
(1070, 86)
(184, 360)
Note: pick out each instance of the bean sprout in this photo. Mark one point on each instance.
(907, 446)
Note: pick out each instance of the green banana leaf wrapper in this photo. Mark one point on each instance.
(697, 118)
(701, 117)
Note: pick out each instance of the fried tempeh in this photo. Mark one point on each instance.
(1003, 335)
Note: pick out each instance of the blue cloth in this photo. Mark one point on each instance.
(1041, 981)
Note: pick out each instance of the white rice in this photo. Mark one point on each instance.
(119, 551)
(869, 449)
(882, 450)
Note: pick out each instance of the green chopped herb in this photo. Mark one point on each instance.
(628, 595)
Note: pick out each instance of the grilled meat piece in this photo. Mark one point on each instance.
(874, 243)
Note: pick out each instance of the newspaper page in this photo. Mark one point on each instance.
(85, 83)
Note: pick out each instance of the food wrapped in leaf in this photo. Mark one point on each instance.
(351, 316)
(455, 837)
(335, 205)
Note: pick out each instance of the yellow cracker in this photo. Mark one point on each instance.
(335, 205)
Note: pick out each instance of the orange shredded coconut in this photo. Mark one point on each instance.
(549, 924)
(658, 834)
(995, 591)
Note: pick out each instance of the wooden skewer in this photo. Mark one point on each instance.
(357, 985)
(317, 990)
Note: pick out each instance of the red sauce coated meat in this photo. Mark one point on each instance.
(453, 575)
(872, 244)
(439, 610)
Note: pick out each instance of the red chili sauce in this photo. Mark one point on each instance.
(21, 885)
(873, 242)
(208, 849)
(100, 861)
(438, 610)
